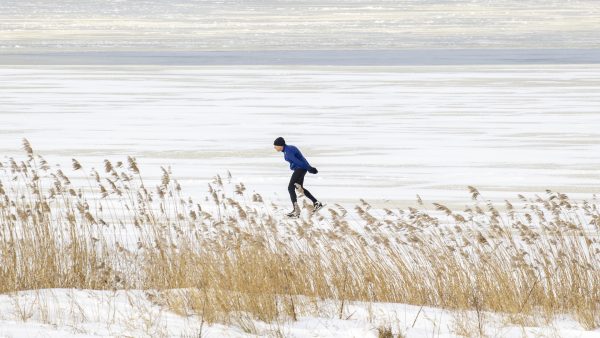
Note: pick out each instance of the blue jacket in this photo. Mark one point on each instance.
(294, 156)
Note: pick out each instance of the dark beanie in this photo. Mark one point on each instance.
(279, 141)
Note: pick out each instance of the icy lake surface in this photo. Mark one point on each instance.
(76, 25)
(383, 133)
(388, 99)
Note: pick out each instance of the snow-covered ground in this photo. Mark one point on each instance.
(86, 313)
(380, 133)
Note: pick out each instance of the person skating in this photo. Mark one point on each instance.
(300, 166)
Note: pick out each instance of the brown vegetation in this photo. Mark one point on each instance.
(233, 256)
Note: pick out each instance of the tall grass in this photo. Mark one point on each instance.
(233, 256)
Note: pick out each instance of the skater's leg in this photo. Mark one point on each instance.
(306, 192)
(309, 195)
(297, 177)
(292, 191)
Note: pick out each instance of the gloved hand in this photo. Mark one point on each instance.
(313, 170)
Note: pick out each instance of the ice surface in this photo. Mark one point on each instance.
(381, 133)
(83, 25)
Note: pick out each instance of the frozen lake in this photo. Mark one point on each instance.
(169, 25)
(383, 133)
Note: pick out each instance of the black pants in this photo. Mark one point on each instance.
(298, 177)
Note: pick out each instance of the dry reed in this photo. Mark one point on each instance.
(233, 257)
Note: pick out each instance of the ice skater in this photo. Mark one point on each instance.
(300, 166)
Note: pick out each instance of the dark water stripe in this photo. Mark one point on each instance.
(313, 57)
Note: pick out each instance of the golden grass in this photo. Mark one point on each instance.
(232, 257)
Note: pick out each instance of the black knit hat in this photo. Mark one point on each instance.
(279, 141)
